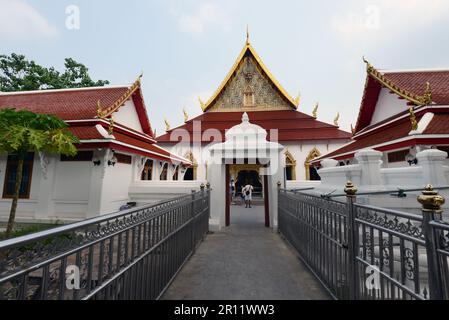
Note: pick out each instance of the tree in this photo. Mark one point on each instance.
(24, 131)
(19, 74)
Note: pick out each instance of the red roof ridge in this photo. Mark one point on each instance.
(418, 70)
(43, 91)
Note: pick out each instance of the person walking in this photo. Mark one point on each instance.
(232, 191)
(248, 192)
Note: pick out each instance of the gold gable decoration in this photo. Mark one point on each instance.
(104, 112)
(248, 47)
(423, 100)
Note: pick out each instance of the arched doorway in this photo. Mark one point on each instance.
(311, 172)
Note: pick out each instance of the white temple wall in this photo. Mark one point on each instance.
(387, 105)
(368, 174)
(71, 191)
(128, 114)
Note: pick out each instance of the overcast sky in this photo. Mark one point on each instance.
(185, 48)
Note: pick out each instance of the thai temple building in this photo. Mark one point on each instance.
(117, 148)
(250, 87)
(251, 112)
(401, 137)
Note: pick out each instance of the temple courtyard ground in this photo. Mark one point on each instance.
(245, 261)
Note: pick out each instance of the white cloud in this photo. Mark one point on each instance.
(206, 14)
(380, 18)
(19, 20)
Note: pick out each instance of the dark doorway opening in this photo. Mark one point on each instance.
(249, 177)
(314, 174)
(260, 198)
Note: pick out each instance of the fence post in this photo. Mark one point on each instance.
(431, 209)
(208, 206)
(352, 235)
(192, 223)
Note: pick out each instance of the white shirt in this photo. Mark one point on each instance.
(249, 188)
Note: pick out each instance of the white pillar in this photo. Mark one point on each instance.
(96, 196)
(432, 161)
(370, 162)
(45, 206)
(217, 176)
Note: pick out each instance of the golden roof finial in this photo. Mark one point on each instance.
(427, 94)
(369, 66)
(186, 116)
(167, 125)
(297, 99)
(336, 119)
(315, 111)
(111, 125)
(203, 106)
(413, 121)
(352, 129)
(99, 108)
(247, 34)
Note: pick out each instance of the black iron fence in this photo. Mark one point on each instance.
(365, 252)
(132, 254)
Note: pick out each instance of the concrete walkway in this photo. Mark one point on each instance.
(245, 261)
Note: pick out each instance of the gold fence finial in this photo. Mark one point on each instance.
(350, 189)
(337, 117)
(315, 111)
(430, 199)
(413, 121)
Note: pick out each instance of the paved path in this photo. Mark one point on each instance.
(245, 261)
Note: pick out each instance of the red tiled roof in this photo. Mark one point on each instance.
(86, 132)
(401, 129)
(70, 104)
(438, 125)
(414, 82)
(411, 81)
(292, 125)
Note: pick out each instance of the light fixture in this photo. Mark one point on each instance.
(96, 160)
(411, 159)
(112, 161)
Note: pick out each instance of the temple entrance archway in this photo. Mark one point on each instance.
(246, 155)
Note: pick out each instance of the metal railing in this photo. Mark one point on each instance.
(365, 252)
(133, 254)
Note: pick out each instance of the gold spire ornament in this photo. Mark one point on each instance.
(202, 104)
(99, 110)
(297, 99)
(111, 125)
(428, 94)
(247, 34)
(336, 119)
(186, 116)
(315, 111)
(352, 129)
(167, 125)
(413, 121)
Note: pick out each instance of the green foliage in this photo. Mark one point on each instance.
(24, 131)
(19, 74)
(29, 229)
